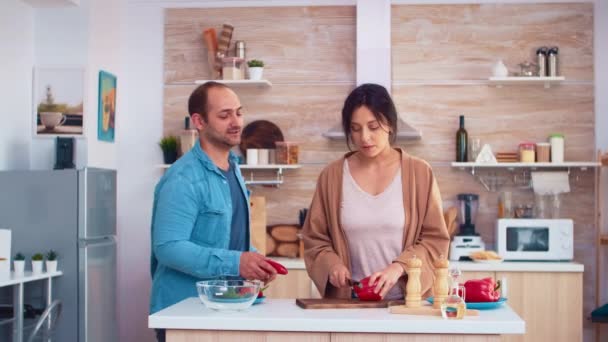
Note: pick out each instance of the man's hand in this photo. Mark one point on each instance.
(386, 279)
(254, 266)
(339, 275)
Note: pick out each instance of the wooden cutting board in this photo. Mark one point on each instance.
(258, 223)
(327, 303)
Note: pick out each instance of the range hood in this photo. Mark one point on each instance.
(374, 57)
(404, 132)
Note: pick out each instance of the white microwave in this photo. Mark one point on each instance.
(535, 239)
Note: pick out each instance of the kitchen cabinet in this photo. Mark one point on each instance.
(283, 320)
(547, 296)
(295, 284)
(551, 304)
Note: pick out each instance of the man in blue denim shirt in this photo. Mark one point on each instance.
(200, 219)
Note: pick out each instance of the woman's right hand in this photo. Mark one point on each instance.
(339, 275)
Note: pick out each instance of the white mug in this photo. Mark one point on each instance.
(52, 119)
(252, 156)
(263, 156)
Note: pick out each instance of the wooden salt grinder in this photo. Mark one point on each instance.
(440, 288)
(413, 288)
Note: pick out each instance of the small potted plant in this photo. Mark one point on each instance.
(37, 263)
(19, 264)
(169, 146)
(256, 69)
(51, 261)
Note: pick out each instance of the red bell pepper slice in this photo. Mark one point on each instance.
(481, 290)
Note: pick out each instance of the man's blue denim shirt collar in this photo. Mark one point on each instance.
(207, 162)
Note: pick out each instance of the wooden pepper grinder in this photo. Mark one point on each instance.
(413, 288)
(440, 288)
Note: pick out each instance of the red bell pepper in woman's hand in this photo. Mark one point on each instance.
(365, 291)
(481, 290)
(280, 268)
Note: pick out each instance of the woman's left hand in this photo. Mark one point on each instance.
(386, 279)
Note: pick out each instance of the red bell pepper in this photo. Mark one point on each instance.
(481, 290)
(280, 268)
(365, 291)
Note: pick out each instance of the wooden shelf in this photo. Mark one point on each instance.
(253, 167)
(269, 166)
(250, 180)
(564, 165)
(546, 81)
(240, 83)
(52, 3)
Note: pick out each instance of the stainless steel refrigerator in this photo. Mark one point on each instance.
(74, 213)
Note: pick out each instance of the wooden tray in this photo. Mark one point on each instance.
(425, 310)
(327, 303)
(260, 134)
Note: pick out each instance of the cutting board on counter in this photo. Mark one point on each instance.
(330, 303)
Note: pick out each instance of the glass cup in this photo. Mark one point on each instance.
(475, 148)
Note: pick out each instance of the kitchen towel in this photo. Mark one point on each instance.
(550, 182)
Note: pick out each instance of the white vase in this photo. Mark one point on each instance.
(256, 73)
(51, 266)
(19, 267)
(36, 266)
(500, 69)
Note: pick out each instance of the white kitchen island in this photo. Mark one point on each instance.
(282, 320)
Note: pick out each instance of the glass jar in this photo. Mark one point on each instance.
(287, 152)
(505, 205)
(543, 152)
(526, 152)
(231, 68)
(557, 147)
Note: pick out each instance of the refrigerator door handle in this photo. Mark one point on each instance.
(108, 240)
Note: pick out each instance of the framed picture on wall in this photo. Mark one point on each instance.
(58, 101)
(106, 117)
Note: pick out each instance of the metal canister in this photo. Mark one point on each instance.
(541, 60)
(552, 61)
(240, 49)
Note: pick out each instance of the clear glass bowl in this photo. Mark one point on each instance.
(228, 294)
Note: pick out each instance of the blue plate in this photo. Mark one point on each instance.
(259, 300)
(481, 305)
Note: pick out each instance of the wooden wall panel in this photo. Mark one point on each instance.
(456, 42)
(441, 55)
(438, 48)
(297, 44)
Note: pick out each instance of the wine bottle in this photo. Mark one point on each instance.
(461, 142)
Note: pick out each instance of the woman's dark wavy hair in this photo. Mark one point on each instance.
(378, 101)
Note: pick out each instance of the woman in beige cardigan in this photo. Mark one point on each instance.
(374, 208)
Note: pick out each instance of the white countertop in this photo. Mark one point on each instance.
(27, 276)
(505, 266)
(285, 315)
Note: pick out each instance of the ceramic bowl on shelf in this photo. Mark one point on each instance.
(228, 294)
